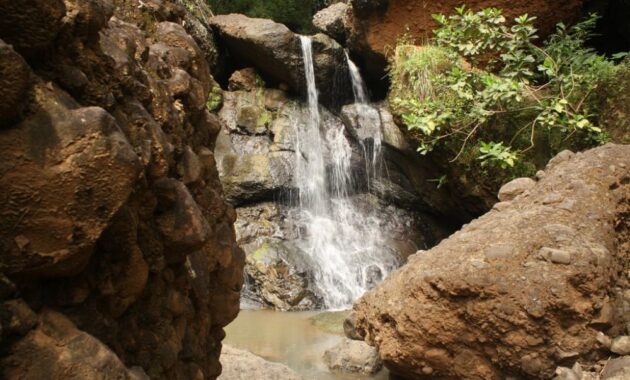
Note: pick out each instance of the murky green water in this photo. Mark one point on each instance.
(288, 338)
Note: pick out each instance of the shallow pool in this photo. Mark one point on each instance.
(288, 338)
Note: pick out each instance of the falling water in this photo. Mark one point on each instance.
(341, 239)
(369, 119)
(358, 86)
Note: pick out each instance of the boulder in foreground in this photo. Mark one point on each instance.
(518, 291)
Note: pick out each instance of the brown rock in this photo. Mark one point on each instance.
(276, 52)
(463, 320)
(243, 80)
(15, 81)
(31, 25)
(242, 365)
(514, 188)
(76, 168)
(57, 350)
(353, 356)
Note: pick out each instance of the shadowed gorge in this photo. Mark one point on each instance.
(326, 190)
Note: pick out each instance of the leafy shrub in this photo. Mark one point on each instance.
(482, 92)
(296, 14)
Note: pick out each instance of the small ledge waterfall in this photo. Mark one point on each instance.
(341, 239)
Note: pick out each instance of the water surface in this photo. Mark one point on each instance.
(288, 338)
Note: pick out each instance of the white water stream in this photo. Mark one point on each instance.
(341, 239)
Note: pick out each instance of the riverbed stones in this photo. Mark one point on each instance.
(617, 369)
(514, 308)
(353, 356)
(242, 365)
(621, 345)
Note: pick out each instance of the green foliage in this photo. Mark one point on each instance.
(215, 98)
(483, 91)
(296, 14)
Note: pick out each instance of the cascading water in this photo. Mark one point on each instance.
(358, 86)
(341, 239)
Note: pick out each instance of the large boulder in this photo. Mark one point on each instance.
(333, 21)
(76, 168)
(276, 51)
(112, 210)
(242, 365)
(520, 290)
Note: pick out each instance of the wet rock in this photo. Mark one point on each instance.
(373, 275)
(242, 365)
(255, 177)
(530, 299)
(349, 328)
(276, 52)
(353, 356)
(273, 271)
(515, 188)
(333, 21)
(15, 81)
(58, 350)
(621, 345)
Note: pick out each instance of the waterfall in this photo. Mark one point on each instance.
(341, 238)
(358, 86)
(369, 119)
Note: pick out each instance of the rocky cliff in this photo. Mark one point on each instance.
(117, 249)
(372, 28)
(539, 281)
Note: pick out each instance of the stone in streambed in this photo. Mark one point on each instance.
(621, 345)
(242, 365)
(353, 356)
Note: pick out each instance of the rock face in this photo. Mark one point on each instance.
(57, 350)
(242, 365)
(491, 301)
(277, 53)
(256, 158)
(117, 249)
(377, 24)
(333, 21)
(353, 356)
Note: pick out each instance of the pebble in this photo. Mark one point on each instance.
(621, 345)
